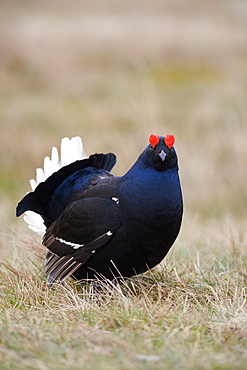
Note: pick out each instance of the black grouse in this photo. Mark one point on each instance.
(99, 225)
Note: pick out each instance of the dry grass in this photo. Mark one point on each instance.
(189, 313)
(114, 73)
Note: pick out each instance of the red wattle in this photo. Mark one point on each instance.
(169, 141)
(154, 140)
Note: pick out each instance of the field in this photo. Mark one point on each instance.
(113, 73)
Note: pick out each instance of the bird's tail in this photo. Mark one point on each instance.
(71, 150)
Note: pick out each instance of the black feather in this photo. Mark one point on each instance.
(38, 201)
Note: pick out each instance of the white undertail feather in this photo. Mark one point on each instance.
(71, 150)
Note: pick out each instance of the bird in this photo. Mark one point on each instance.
(99, 226)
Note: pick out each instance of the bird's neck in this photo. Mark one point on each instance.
(160, 189)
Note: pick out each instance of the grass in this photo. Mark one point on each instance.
(189, 312)
(114, 74)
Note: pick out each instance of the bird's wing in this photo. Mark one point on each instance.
(85, 225)
(52, 196)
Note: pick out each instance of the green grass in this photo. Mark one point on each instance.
(114, 74)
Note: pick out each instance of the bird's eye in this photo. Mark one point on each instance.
(169, 141)
(154, 140)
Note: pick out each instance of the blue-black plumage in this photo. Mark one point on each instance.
(100, 225)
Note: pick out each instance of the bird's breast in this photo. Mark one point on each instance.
(148, 206)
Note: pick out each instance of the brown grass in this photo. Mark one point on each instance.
(190, 312)
(113, 74)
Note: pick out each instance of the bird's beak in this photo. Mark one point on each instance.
(162, 155)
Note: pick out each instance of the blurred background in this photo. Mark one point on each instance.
(116, 72)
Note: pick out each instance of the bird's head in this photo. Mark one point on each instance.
(160, 153)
